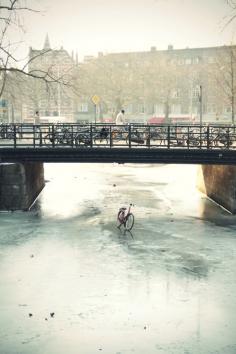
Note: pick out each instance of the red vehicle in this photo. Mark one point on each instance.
(156, 120)
(174, 119)
(107, 120)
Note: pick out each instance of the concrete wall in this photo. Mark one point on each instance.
(20, 184)
(218, 182)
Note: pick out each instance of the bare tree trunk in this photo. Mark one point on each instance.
(167, 110)
(118, 105)
(232, 109)
(232, 87)
(226, 81)
(12, 114)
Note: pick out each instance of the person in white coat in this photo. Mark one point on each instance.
(120, 118)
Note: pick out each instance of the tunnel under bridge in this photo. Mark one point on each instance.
(21, 183)
(24, 149)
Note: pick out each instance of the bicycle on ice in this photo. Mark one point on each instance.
(126, 218)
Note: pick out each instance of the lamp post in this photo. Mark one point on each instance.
(200, 103)
(58, 92)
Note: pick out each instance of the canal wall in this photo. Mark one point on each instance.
(218, 182)
(20, 184)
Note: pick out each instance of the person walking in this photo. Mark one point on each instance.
(118, 132)
(37, 118)
(120, 118)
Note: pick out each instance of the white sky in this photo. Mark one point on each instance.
(90, 26)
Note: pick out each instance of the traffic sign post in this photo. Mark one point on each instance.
(95, 114)
(95, 99)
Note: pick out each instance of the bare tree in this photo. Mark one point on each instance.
(11, 14)
(118, 82)
(226, 77)
(232, 16)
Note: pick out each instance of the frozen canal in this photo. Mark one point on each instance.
(72, 283)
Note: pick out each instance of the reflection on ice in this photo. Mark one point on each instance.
(167, 287)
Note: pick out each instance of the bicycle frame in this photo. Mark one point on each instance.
(126, 213)
(126, 218)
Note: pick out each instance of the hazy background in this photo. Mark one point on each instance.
(89, 26)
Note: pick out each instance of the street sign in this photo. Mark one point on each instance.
(95, 99)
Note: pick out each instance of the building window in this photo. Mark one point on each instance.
(141, 108)
(55, 113)
(196, 60)
(194, 109)
(83, 107)
(176, 93)
(176, 108)
(211, 60)
(159, 108)
(211, 108)
(228, 109)
(196, 91)
(129, 108)
(181, 61)
(3, 103)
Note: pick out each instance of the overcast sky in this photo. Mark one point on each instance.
(90, 26)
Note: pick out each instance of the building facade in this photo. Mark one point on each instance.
(54, 99)
(192, 83)
(188, 85)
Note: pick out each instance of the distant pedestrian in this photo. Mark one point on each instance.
(120, 118)
(37, 118)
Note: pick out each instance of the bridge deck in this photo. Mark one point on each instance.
(110, 143)
(120, 155)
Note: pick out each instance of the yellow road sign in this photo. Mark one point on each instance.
(95, 99)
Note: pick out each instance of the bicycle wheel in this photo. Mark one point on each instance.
(47, 140)
(82, 140)
(129, 223)
(120, 217)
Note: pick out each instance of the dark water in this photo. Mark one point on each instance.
(169, 287)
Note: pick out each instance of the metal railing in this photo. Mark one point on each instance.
(112, 136)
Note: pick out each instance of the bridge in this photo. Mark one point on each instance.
(178, 144)
(29, 146)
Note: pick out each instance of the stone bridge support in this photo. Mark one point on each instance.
(218, 182)
(20, 184)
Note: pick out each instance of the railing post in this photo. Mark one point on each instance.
(34, 135)
(188, 138)
(72, 135)
(228, 138)
(14, 132)
(53, 136)
(208, 135)
(200, 136)
(168, 137)
(148, 141)
(91, 135)
(110, 134)
(40, 135)
(129, 135)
